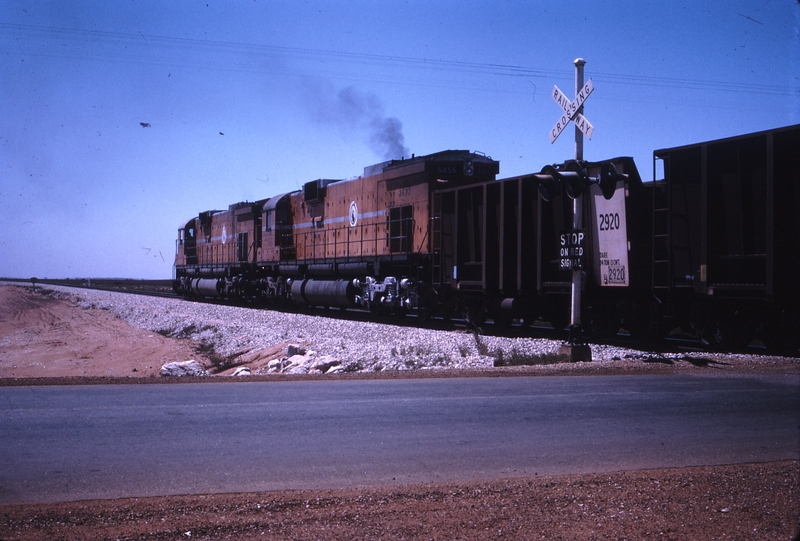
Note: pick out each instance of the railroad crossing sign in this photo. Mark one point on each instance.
(571, 111)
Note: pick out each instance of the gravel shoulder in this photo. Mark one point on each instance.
(743, 502)
(63, 335)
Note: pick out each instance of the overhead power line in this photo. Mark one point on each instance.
(503, 70)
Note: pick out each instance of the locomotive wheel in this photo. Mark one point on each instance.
(375, 307)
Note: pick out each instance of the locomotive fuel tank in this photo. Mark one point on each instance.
(325, 293)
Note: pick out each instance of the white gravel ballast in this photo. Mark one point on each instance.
(330, 345)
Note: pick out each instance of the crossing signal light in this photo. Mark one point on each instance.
(574, 179)
(571, 175)
(608, 179)
(549, 184)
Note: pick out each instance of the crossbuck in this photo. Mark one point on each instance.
(571, 111)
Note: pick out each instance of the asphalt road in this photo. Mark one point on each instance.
(85, 442)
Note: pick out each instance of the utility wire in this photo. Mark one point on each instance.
(392, 61)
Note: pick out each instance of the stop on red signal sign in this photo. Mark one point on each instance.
(571, 250)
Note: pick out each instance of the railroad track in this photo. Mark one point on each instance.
(152, 288)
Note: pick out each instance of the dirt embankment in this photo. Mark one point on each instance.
(46, 337)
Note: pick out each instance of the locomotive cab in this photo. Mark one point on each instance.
(277, 239)
(186, 245)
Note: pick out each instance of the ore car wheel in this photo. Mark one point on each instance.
(559, 320)
(724, 334)
(473, 317)
(502, 321)
(782, 335)
(643, 323)
(602, 324)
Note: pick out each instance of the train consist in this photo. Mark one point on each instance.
(707, 248)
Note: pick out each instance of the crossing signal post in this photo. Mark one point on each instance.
(573, 111)
(572, 179)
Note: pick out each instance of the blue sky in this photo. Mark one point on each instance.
(251, 98)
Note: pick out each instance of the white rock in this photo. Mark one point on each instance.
(324, 363)
(296, 360)
(241, 371)
(184, 368)
(296, 369)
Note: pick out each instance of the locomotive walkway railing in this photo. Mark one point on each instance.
(389, 240)
(216, 254)
(392, 239)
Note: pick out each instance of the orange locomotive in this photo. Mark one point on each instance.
(362, 242)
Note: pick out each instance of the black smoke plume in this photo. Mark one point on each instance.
(359, 112)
